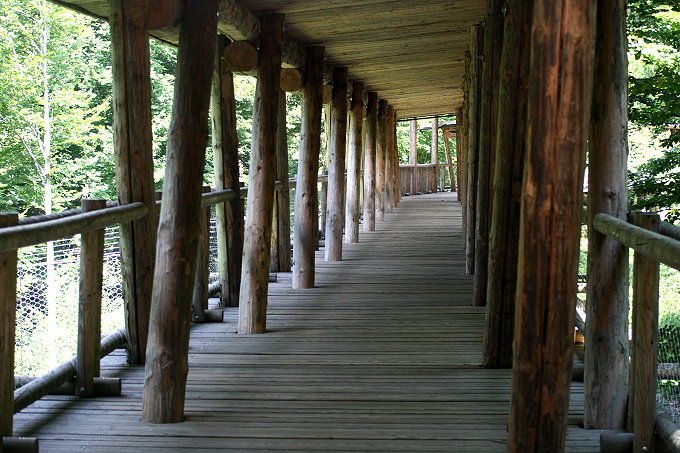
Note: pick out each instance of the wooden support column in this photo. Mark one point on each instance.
(449, 160)
(369, 161)
(395, 150)
(434, 151)
(229, 214)
(493, 38)
(134, 169)
(389, 161)
(507, 182)
(353, 207)
(552, 202)
(281, 257)
(8, 306)
(259, 205)
(380, 155)
(167, 352)
(413, 156)
(335, 211)
(306, 192)
(89, 304)
(199, 303)
(464, 150)
(476, 33)
(459, 151)
(606, 361)
(645, 343)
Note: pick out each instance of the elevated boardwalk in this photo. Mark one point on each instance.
(382, 356)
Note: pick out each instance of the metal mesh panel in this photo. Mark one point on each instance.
(47, 302)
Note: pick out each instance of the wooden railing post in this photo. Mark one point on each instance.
(168, 346)
(642, 400)
(335, 197)
(306, 191)
(352, 209)
(202, 275)
(229, 214)
(8, 305)
(90, 304)
(369, 161)
(257, 241)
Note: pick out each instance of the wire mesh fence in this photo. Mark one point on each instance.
(668, 371)
(47, 301)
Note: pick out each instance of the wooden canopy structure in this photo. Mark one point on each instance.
(529, 82)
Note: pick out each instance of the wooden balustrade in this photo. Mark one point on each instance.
(425, 180)
(654, 242)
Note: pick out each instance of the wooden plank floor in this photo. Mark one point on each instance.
(382, 356)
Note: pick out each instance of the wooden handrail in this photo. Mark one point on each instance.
(13, 238)
(670, 230)
(662, 248)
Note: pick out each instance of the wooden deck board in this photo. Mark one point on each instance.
(382, 356)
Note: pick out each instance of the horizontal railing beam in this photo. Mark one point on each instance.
(663, 249)
(13, 238)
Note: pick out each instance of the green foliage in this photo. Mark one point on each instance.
(654, 101)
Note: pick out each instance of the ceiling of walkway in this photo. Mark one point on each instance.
(412, 52)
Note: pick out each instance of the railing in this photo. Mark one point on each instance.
(421, 178)
(653, 242)
(79, 375)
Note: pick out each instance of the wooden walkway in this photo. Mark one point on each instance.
(382, 356)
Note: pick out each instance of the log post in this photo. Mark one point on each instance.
(449, 163)
(465, 151)
(229, 214)
(460, 146)
(395, 152)
(476, 34)
(259, 205)
(281, 259)
(354, 150)
(507, 182)
(134, 169)
(389, 161)
(167, 351)
(202, 275)
(369, 161)
(8, 306)
(335, 208)
(552, 203)
(413, 155)
(645, 342)
(89, 304)
(493, 37)
(434, 151)
(606, 361)
(306, 192)
(380, 158)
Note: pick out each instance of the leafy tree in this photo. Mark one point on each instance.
(654, 100)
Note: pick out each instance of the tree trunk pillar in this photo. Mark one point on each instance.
(473, 148)
(380, 158)
(369, 161)
(606, 362)
(354, 163)
(259, 205)
(335, 211)
(306, 191)
(281, 257)
(167, 350)
(134, 170)
(552, 202)
(507, 181)
(229, 214)
(434, 151)
(390, 195)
